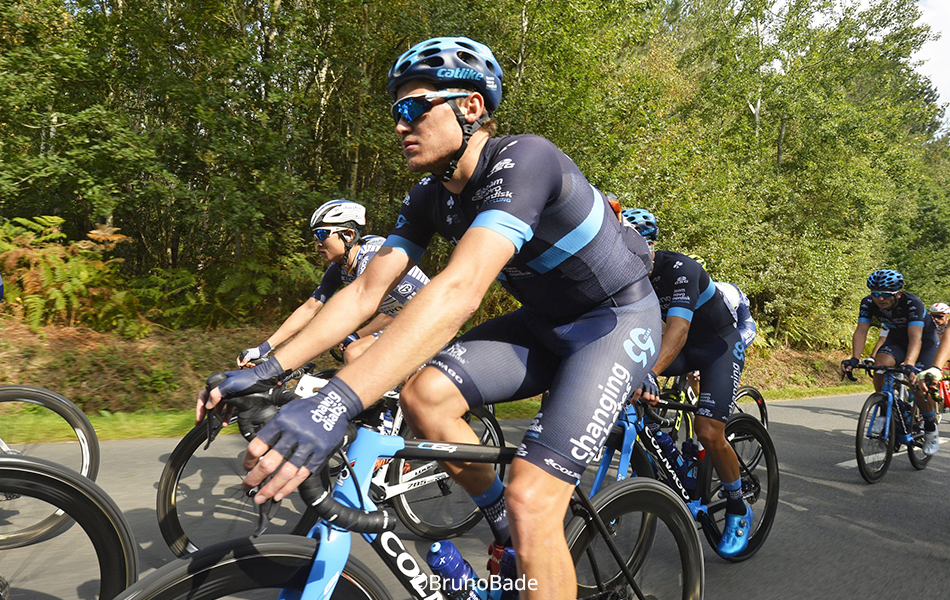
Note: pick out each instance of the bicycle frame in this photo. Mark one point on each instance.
(633, 425)
(352, 490)
(895, 388)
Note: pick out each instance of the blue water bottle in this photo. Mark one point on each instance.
(458, 578)
(668, 446)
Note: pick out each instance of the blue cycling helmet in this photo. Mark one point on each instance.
(885, 280)
(644, 222)
(450, 62)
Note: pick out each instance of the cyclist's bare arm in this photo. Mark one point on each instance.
(294, 323)
(423, 327)
(859, 339)
(943, 350)
(379, 322)
(675, 330)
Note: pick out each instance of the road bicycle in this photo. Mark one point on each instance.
(696, 483)
(888, 419)
(31, 419)
(941, 395)
(610, 536)
(100, 555)
(200, 501)
(677, 389)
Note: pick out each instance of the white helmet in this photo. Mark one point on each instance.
(731, 292)
(339, 212)
(939, 308)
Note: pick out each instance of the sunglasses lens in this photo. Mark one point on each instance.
(321, 234)
(410, 109)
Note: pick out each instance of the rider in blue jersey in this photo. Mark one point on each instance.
(337, 228)
(700, 334)
(518, 210)
(911, 339)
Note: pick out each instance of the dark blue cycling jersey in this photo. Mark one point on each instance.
(336, 277)
(530, 192)
(686, 291)
(909, 311)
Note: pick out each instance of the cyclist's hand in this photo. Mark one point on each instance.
(303, 433)
(238, 383)
(650, 389)
(251, 354)
(848, 365)
(935, 374)
(911, 372)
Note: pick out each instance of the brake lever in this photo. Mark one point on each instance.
(214, 424)
(265, 512)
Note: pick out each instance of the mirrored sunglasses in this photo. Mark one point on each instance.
(321, 235)
(883, 294)
(411, 108)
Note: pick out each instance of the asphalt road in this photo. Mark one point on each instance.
(834, 536)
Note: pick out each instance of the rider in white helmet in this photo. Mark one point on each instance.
(337, 228)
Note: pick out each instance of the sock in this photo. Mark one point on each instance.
(734, 503)
(492, 504)
(930, 421)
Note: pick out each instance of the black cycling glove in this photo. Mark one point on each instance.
(851, 363)
(649, 385)
(249, 381)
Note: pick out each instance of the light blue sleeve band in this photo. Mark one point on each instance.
(514, 229)
(916, 324)
(396, 241)
(683, 313)
(864, 320)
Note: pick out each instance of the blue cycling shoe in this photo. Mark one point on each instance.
(735, 536)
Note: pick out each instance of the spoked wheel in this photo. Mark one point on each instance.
(655, 536)
(251, 568)
(428, 502)
(200, 501)
(760, 483)
(873, 446)
(94, 559)
(38, 423)
(915, 450)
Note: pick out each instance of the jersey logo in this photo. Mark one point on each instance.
(508, 146)
(401, 220)
(506, 163)
(405, 200)
(677, 264)
(638, 345)
(681, 280)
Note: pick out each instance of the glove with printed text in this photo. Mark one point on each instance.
(305, 431)
(649, 385)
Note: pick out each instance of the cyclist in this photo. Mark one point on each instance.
(516, 209)
(940, 313)
(700, 334)
(911, 339)
(739, 305)
(337, 228)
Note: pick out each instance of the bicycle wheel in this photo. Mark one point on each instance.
(745, 393)
(872, 449)
(200, 501)
(41, 424)
(35, 486)
(439, 509)
(669, 567)
(915, 450)
(760, 484)
(270, 562)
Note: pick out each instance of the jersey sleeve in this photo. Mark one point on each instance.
(687, 293)
(330, 283)
(414, 229)
(521, 178)
(866, 312)
(916, 313)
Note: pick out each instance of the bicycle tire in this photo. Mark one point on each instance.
(751, 393)
(748, 437)
(86, 504)
(29, 437)
(425, 510)
(654, 502)
(189, 520)
(873, 454)
(915, 449)
(235, 566)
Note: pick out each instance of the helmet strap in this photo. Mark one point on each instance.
(348, 245)
(467, 130)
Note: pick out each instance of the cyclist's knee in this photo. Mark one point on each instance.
(711, 433)
(532, 500)
(429, 395)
